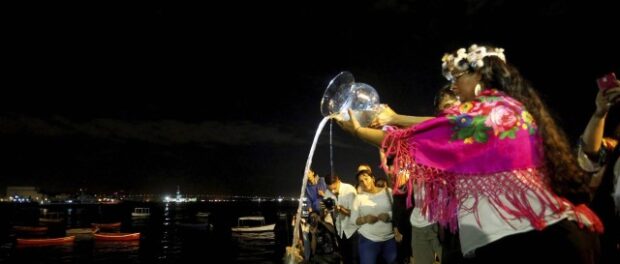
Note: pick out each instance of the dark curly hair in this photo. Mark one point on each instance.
(445, 94)
(565, 177)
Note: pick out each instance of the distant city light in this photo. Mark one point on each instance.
(85, 198)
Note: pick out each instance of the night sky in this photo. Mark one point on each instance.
(223, 98)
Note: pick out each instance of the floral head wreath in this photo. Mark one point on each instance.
(471, 60)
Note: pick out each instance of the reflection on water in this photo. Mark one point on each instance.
(116, 252)
(4, 251)
(169, 245)
(116, 246)
(242, 237)
(47, 254)
(171, 234)
(255, 247)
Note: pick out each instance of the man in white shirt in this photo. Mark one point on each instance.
(344, 195)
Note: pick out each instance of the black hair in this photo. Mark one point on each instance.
(368, 172)
(566, 178)
(444, 92)
(331, 178)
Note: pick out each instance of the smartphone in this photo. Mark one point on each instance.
(305, 209)
(607, 81)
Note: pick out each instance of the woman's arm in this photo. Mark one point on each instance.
(407, 121)
(387, 117)
(372, 136)
(593, 134)
(385, 217)
(360, 221)
(367, 219)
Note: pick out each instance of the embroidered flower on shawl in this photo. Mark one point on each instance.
(528, 122)
(465, 107)
(464, 121)
(502, 119)
(469, 128)
(527, 118)
(453, 108)
(490, 111)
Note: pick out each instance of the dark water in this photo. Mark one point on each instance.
(172, 234)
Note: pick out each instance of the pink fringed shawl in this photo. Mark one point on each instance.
(489, 147)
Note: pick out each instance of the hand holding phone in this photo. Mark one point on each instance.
(607, 81)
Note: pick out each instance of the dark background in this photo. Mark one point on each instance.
(223, 98)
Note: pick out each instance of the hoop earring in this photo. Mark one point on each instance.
(477, 89)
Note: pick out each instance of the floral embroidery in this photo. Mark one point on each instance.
(492, 111)
(465, 107)
(469, 128)
(528, 122)
(502, 119)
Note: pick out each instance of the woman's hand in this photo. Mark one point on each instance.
(385, 217)
(350, 125)
(397, 235)
(606, 99)
(372, 136)
(371, 219)
(385, 117)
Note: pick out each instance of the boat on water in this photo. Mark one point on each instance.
(203, 214)
(117, 236)
(25, 242)
(253, 224)
(81, 231)
(107, 226)
(30, 230)
(51, 217)
(141, 212)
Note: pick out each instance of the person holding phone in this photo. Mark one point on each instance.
(607, 82)
(372, 213)
(495, 166)
(601, 156)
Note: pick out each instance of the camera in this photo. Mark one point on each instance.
(329, 203)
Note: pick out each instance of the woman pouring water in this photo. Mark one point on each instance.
(494, 166)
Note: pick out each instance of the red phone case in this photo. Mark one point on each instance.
(607, 81)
